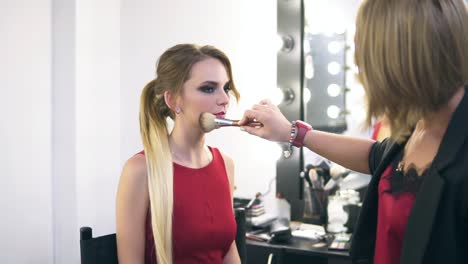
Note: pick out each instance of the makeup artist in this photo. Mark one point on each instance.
(174, 200)
(413, 63)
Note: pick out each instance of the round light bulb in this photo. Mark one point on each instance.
(279, 42)
(306, 46)
(309, 67)
(306, 95)
(284, 43)
(333, 90)
(277, 96)
(334, 47)
(333, 111)
(334, 68)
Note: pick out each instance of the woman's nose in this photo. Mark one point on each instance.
(223, 98)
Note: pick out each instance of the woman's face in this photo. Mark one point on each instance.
(206, 90)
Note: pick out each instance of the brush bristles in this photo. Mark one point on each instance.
(207, 122)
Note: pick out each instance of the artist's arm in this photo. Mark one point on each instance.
(132, 208)
(350, 152)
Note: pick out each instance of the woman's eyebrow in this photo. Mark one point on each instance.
(210, 82)
(213, 83)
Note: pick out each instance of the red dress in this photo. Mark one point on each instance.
(203, 226)
(397, 193)
(377, 128)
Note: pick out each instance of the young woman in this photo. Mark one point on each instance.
(413, 63)
(174, 201)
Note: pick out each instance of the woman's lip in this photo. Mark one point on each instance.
(220, 115)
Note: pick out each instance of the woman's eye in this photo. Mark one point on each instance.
(207, 89)
(227, 87)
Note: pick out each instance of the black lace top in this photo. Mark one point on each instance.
(409, 181)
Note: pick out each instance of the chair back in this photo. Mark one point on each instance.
(240, 234)
(97, 250)
(103, 249)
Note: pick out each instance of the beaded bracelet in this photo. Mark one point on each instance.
(292, 136)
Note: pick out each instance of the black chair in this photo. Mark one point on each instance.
(97, 250)
(103, 249)
(240, 235)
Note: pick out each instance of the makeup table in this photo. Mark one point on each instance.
(296, 251)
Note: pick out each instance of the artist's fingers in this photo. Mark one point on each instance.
(265, 105)
(249, 115)
(257, 131)
(258, 107)
(266, 101)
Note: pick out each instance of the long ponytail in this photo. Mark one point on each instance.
(154, 134)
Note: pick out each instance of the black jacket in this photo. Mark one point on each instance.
(437, 227)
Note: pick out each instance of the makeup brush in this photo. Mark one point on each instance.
(209, 122)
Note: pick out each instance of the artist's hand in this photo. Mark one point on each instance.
(275, 125)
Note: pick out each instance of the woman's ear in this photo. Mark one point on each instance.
(171, 101)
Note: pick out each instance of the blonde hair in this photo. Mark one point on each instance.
(173, 69)
(412, 57)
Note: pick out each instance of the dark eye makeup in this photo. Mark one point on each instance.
(211, 87)
(207, 88)
(227, 87)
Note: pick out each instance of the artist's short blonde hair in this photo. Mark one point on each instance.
(412, 57)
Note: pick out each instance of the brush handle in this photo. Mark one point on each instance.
(250, 124)
(222, 122)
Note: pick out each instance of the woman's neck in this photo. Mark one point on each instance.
(424, 142)
(438, 122)
(188, 147)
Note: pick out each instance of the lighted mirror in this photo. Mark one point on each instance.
(329, 70)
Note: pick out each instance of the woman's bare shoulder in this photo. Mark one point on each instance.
(134, 170)
(229, 164)
(227, 159)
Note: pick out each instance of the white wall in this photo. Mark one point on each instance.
(25, 132)
(97, 112)
(64, 196)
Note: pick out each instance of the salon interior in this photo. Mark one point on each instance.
(72, 72)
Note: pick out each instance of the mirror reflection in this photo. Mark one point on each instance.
(330, 89)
